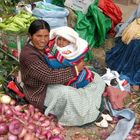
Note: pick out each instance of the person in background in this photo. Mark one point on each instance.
(44, 87)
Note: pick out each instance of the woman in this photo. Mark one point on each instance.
(44, 86)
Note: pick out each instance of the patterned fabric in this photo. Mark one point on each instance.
(36, 75)
(55, 59)
(75, 107)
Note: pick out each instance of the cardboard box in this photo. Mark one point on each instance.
(80, 5)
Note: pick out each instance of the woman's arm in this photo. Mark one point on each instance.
(43, 73)
(33, 66)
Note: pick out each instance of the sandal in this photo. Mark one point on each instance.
(101, 122)
(106, 115)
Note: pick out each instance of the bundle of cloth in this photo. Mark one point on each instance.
(131, 32)
(73, 52)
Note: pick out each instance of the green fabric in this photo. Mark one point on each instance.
(93, 26)
(58, 2)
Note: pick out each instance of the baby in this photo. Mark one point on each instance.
(66, 48)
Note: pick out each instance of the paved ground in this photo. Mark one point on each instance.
(91, 131)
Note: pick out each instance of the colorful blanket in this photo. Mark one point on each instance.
(55, 60)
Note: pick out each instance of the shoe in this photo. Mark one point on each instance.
(101, 122)
(107, 117)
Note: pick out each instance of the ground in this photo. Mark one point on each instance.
(91, 132)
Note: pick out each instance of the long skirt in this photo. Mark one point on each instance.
(75, 107)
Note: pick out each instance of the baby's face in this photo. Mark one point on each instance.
(62, 42)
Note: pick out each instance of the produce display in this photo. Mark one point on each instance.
(18, 23)
(24, 122)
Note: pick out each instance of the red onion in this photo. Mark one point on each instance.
(1, 109)
(137, 126)
(2, 138)
(47, 134)
(32, 109)
(12, 137)
(23, 132)
(36, 116)
(5, 107)
(36, 110)
(13, 102)
(56, 131)
(19, 108)
(9, 113)
(3, 128)
(2, 118)
(31, 127)
(15, 127)
(56, 138)
(42, 118)
(45, 123)
(29, 136)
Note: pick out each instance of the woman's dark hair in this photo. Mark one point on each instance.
(38, 24)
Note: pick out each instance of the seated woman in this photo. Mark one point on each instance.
(44, 86)
(66, 48)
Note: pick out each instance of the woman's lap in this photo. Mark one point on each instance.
(75, 106)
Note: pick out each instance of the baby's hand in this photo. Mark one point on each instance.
(80, 65)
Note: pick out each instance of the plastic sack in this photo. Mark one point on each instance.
(56, 22)
(14, 90)
(49, 10)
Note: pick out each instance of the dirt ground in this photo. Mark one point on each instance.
(91, 132)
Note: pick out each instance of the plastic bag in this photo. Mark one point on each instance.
(14, 90)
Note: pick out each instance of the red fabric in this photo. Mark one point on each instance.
(110, 9)
(115, 96)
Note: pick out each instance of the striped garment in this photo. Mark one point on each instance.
(55, 59)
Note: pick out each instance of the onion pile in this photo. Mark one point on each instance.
(134, 133)
(24, 122)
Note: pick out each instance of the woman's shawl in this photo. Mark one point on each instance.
(54, 59)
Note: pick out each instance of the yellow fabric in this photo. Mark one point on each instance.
(132, 31)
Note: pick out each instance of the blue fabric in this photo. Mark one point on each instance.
(126, 60)
(124, 125)
(49, 10)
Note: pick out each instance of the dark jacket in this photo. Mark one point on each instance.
(36, 75)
